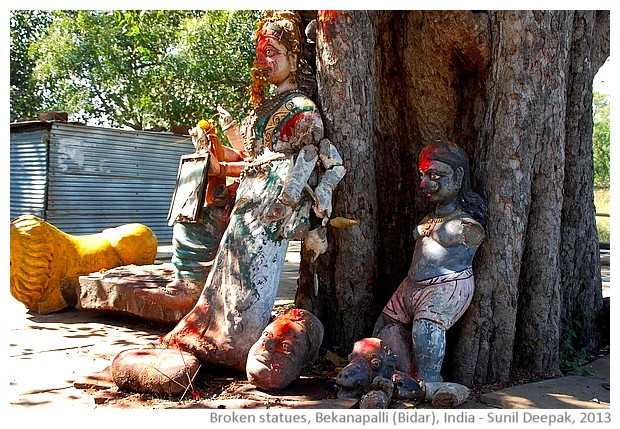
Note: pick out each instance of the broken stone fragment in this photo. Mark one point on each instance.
(157, 371)
(375, 399)
(445, 394)
(329, 154)
(324, 190)
(298, 176)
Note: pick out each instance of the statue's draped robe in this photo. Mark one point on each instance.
(240, 290)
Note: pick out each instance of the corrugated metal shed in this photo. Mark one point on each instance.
(83, 179)
(28, 170)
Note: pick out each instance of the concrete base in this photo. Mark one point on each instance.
(114, 290)
(591, 391)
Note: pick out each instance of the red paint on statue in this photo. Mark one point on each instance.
(368, 343)
(289, 128)
(261, 49)
(425, 160)
(285, 326)
(282, 328)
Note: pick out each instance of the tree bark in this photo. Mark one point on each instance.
(340, 287)
(581, 268)
(514, 90)
(540, 58)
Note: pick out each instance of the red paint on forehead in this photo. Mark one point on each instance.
(282, 328)
(264, 41)
(367, 343)
(425, 161)
(291, 320)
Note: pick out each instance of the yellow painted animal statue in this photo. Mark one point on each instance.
(46, 262)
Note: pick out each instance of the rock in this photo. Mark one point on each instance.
(445, 394)
(375, 399)
(156, 371)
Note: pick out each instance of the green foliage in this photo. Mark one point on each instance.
(572, 361)
(600, 140)
(215, 52)
(26, 27)
(142, 69)
(602, 204)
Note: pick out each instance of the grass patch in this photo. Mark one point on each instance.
(602, 204)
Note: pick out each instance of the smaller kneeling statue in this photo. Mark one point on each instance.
(439, 286)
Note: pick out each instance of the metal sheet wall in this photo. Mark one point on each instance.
(28, 171)
(102, 177)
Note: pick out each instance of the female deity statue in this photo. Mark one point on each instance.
(281, 184)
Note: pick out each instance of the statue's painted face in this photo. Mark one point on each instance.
(274, 60)
(279, 356)
(370, 358)
(439, 183)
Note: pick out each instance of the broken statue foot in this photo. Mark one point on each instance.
(178, 294)
(156, 371)
(445, 394)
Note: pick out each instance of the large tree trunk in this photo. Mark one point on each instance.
(524, 153)
(514, 90)
(340, 286)
(581, 268)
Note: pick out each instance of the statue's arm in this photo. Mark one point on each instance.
(472, 233)
(334, 172)
(307, 130)
(233, 163)
(231, 130)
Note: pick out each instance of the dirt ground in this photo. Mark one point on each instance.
(62, 360)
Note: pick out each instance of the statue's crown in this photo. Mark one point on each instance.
(283, 26)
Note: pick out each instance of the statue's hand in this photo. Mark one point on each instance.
(225, 117)
(215, 167)
(195, 134)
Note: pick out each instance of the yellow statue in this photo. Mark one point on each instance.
(46, 262)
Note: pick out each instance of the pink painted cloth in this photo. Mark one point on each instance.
(442, 299)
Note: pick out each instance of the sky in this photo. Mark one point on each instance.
(602, 80)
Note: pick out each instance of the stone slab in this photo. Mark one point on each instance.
(576, 391)
(114, 290)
